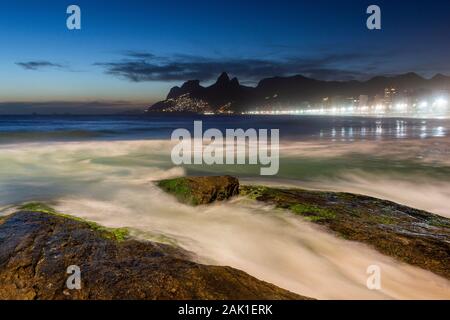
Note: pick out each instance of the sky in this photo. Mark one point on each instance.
(130, 53)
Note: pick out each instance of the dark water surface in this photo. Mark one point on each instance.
(102, 168)
(76, 128)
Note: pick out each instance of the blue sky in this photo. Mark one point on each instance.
(134, 51)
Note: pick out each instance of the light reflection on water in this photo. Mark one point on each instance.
(298, 128)
(401, 129)
(110, 182)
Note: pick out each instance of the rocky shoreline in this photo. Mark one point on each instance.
(38, 244)
(410, 235)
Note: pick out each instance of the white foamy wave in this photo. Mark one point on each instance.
(269, 244)
(110, 183)
(428, 151)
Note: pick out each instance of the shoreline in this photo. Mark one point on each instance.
(323, 218)
(387, 226)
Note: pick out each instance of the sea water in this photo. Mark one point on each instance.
(103, 169)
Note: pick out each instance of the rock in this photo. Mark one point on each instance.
(36, 248)
(201, 190)
(413, 236)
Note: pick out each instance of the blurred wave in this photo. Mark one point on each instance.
(104, 171)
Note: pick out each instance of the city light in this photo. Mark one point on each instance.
(395, 104)
(440, 102)
(423, 104)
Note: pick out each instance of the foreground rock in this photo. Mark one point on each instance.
(36, 248)
(413, 236)
(201, 190)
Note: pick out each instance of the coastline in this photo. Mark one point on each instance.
(322, 213)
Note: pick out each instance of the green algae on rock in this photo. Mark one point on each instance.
(413, 236)
(37, 245)
(201, 190)
(119, 234)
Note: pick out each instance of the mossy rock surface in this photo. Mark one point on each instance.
(119, 234)
(414, 236)
(38, 244)
(201, 190)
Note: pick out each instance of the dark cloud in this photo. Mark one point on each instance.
(142, 66)
(40, 64)
(334, 74)
(139, 54)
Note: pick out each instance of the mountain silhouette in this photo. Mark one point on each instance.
(229, 95)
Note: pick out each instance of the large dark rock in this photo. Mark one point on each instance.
(413, 236)
(201, 190)
(36, 248)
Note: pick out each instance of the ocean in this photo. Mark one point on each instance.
(102, 168)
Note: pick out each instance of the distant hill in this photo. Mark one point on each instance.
(229, 95)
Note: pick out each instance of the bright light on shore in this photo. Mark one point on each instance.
(440, 102)
(423, 104)
(425, 107)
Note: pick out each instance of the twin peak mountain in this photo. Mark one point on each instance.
(229, 96)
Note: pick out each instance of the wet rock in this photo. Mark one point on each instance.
(413, 236)
(36, 248)
(201, 190)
